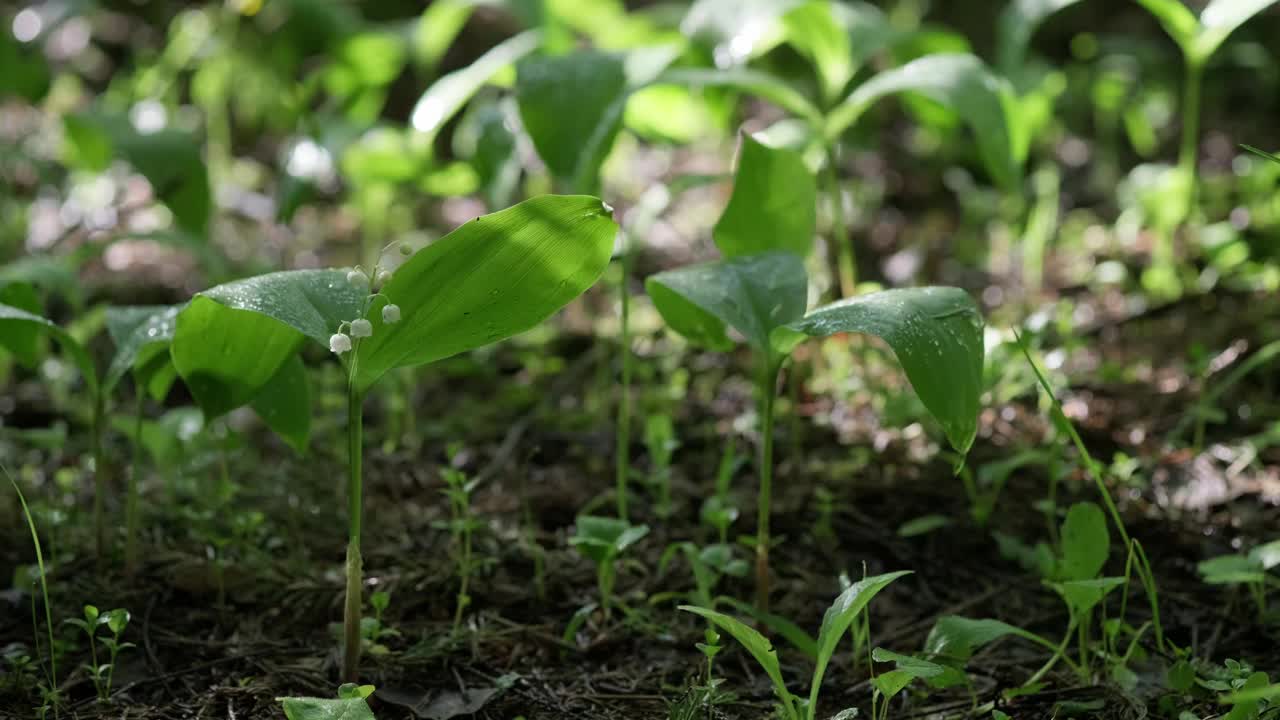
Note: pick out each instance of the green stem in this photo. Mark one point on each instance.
(767, 390)
(623, 450)
(846, 262)
(131, 503)
(1189, 151)
(99, 479)
(354, 600)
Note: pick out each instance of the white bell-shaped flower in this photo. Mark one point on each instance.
(361, 328)
(391, 314)
(339, 343)
(358, 279)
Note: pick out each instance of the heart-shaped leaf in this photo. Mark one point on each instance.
(936, 333)
(837, 620)
(753, 294)
(491, 278)
(773, 206)
(963, 83)
(1085, 542)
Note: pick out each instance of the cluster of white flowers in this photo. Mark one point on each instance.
(341, 341)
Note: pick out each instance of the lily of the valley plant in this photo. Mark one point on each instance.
(493, 277)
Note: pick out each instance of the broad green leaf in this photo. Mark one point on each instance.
(231, 339)
(1220, 18)
(284, 404)
(815, 30)
(1083, 595)
(14, 322)
(1177, 20)
(936, 333)
(963, 83)
(326, 709)
(737, 30)
(447, 95)
(1017, 24)
(773, 206)
(1085, 542)
(134, 329)
(869, 30)
(955, 638)
(837, 619)
(493, 277)
(753, 294)
(756, 644)
(906, 669)
(763, 85)
(170, 159)
(1267, 555)
(1255, 690)
(22, 339)
(571, 106)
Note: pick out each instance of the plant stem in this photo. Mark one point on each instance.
(767, 389)
(623, 450)
(131, 503)
(354, 600)
(99, 479)
(846, 262)
(1189, 151)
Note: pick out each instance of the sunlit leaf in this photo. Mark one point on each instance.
(493, 277)
(446, 97)
(1220, 18)
(816, 31)
(773, 206)
(936, 334)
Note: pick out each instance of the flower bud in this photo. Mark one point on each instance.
(361, 328)
(358, 279)
(391, 314)
(382, 278)
(339, 343)
(406, 250)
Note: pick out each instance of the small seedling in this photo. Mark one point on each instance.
(115, 621)
(351, 704)
(373, 629)
(709, 565)
(835, 622)
(462, 524)
(602, 540)
(660, 439)
(492, 278)
(1248, 569)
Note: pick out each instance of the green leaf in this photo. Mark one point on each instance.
(447, 95)
(1231, 570)
(737, 30)
(1262, 153)
(170, 159)
(791, 632)
(603, 538)
(326, 709)
(1256, 689)
(754, 295)
(756, 644)
(15, 322)
(141, 333)
(814, 29)
(906, 669)
(571, 106)
(233, 338)
(437, 28)
(837, 620)
(22, 339)
(955, 638)
(773, 206)
(1082, 595)
(763, 85)
(284, 404)
(963, 83)
(493, 277)
(1177, 20)
(1085, 542)
(1220, 18)
(936, 333)
(1017, 24)
(923, 525)
(1267, 555)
